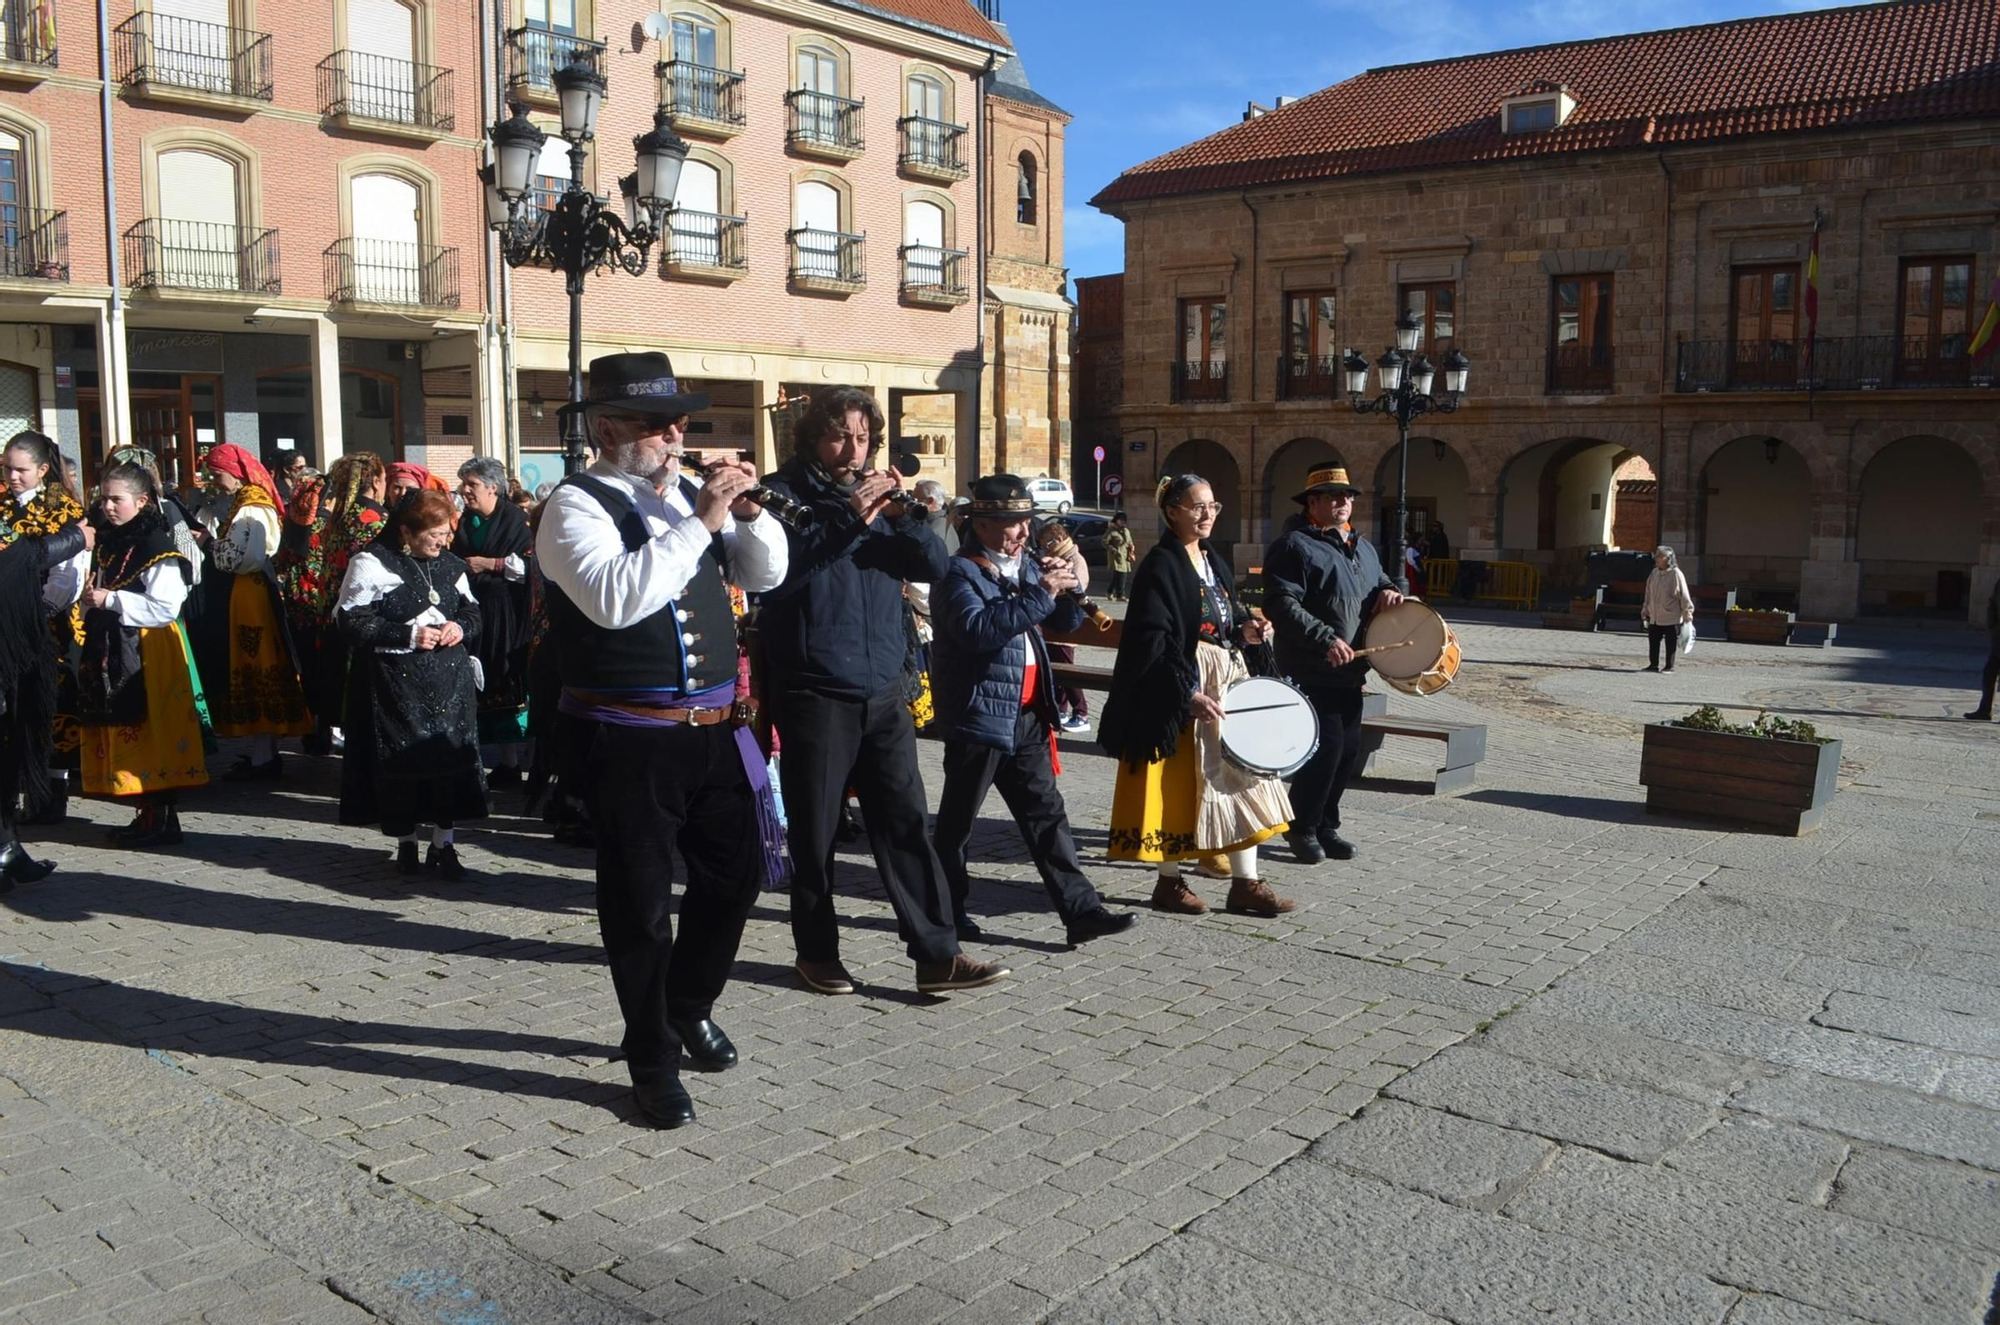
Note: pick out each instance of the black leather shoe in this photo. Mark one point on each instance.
(17, 866)
(1304, 849)
(1981, 715)
(704, 1042)
(406, 858)
(664, 1104)
(968, 930)
(1097, 922)
(444, 859)
(1335, 846)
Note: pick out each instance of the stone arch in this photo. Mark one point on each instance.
(1918, 524)
(1216, 462)
(1285, 473)
(1440, 484)
(1753, 515)
(1809, 443)
(1556, 498)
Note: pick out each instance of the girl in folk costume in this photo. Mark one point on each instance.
(1176, 797)
(136, 695)
(412, 709)
(494, 542)
(264, 699)
(41, 537)
(184, 527)
(348, 516)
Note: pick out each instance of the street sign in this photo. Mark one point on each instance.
(1113, 485)
(1097, 454)
(1138, 446)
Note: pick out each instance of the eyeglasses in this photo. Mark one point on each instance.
(1204, 508)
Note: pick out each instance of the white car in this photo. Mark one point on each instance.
(1052, 494)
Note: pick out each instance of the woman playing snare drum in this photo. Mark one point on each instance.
(1176, 798)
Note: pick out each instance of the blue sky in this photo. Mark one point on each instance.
(1143, 77)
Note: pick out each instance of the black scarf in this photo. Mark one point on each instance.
(1154, 679)
(504, 615)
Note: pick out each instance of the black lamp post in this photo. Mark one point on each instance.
(581, 233)
(1405, 377)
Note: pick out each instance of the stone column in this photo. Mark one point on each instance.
(1480, 542)
(326, 390)
(114, 382)
(1830, 577)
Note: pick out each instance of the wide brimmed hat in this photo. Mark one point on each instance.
(637, 384)
(1002, 494)
(1326, 478)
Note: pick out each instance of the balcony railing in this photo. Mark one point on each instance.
(386, 271)
(1301, 377)
(932, 147)
(28, 32)
(827, 258)
(706, 239)
(1579, 368)
(378, 87)
(534, 55)
(824, 121)
(935, 274)
(161, 50)
(1844, 363)
(701, 93)
(1199, 380)
(34, 244)
(202, 255)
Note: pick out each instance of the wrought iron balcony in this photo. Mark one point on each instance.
(28, 34)
(201, 255)
(385, 271)
(1581, 369)
(821, 124)
(354, 85)
(702, 99)
(158, 54)
(1199, 380)
(534, 55)
(1301, 377)
(1845, 363)
(931, 149)
(34, 244)
(934, 275)
(827, 260)
(706, 244)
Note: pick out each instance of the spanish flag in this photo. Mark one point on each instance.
(1812, 297)
(1987, 337)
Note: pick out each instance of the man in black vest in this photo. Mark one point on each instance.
(639, 559)
(834, 650)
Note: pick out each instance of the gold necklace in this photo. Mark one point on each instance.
(428, 586)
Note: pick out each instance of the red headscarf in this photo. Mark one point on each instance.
(412, 475)
(230, 458)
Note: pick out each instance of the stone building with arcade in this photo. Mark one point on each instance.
(1620, 233)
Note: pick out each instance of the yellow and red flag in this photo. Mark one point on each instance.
(1812, 297)
(1987, 338)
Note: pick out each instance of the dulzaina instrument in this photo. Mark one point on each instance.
(1410, 647)
(1052, 540)
(1269, 728)
(796, 514)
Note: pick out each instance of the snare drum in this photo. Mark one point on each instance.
(1269, 728)
(1427, 663)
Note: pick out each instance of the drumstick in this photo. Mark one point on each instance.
(1383, 648)
(1254, 708)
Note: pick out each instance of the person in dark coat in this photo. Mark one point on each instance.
(835, 652)
(494, 542)
(1991, 675)
(412, 754)
(996, 703)
(1320, 587)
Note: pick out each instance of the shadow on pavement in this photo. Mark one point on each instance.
(1599, 809)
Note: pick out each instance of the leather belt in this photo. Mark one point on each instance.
(693, 717)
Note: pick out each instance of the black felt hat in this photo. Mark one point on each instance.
(638, 384)
(1002, 494)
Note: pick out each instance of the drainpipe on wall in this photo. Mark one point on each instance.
(979, 295)
(114, 389)
(499, 278)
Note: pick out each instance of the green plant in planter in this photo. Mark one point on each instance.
(1708, 718)
(1758, 611)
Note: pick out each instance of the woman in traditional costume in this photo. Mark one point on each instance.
(412, 708)
(349, 515)
(1175, 797)
(494, 542)
(265, 700)
(135, 690)
(185, 529)
(43, 550)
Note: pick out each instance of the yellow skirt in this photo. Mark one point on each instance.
(264, 696)
(163, 752)
(1156, 810)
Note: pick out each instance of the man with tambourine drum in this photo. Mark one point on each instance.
(1322, 583)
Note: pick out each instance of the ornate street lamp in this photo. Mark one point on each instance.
(581, 233)
(1405, 377)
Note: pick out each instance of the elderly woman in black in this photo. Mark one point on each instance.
(494, 542)
(412, 724)
(1174, 798)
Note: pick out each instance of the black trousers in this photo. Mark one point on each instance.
(1027, 783)
(1121, 584)
(1658, 635)
(829, 745)
(1317, 786)
(1989, 678)
(650, 790)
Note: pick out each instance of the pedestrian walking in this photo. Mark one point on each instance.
(1991, 676)
(136, 694)
(494, 542)
(264, 699)
(1175, 797)
(412, 748)
(1120, 554)
(1666, 608)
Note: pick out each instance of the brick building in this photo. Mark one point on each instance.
(1617, 232)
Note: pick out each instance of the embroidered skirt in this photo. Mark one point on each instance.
(264, 696)
(165, 751)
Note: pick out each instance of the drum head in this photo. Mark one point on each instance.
(1407, 620)
(1268, 726)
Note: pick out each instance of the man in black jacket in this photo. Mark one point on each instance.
(834, 652)
(1321, 584)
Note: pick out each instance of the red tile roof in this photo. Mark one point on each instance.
(957, 16)
(1827, 69)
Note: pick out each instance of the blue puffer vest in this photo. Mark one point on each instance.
(978, 655)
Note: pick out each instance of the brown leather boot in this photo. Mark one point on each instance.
(1175, 896)
(1253, 897)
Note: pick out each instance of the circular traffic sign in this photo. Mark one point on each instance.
(1113, 485)
(1098, 454)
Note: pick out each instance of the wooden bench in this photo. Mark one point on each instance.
(1464, 746)
(1582, 614)
(1623, 600)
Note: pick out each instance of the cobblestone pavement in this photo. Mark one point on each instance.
(1533, 1055)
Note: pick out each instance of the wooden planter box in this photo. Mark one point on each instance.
(1779, 786)
(1758, 627)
